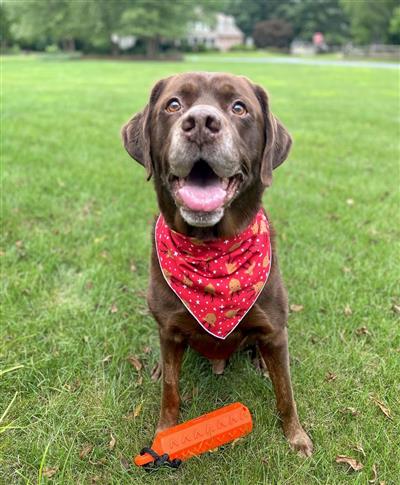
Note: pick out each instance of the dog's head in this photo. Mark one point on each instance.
(209, 139)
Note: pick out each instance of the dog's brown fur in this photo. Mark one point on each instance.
(265, 144)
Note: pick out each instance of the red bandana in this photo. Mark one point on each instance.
(218, 281)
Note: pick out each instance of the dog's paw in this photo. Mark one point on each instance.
(301, 443)
(218, 366)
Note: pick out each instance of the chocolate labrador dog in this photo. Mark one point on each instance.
(211, 143)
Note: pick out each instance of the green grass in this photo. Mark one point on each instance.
(77, 214)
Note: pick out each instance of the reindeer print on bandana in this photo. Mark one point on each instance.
(219, 280)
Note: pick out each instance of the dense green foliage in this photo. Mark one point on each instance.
(273, 33)
(92, 22)
(370, 20)
(75, 244)
(89, 24)
(305, 16)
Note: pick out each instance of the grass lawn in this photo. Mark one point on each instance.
(75, 246)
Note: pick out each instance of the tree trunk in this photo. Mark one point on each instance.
(152, 47)
(114, 49)
(68, 44)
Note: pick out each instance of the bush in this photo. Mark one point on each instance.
(242, 48)
(273, 33)
(52, 49)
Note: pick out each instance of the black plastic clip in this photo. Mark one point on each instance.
(159, 460)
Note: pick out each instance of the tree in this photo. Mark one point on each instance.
(5, 28)
(247, 13)
(154, 20)
(394, 27)
(273, 33)
(305, 16)
(94, 21)
(57, 21)
(310, 16)
(370, 19)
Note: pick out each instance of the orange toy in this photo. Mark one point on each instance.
(197, 436)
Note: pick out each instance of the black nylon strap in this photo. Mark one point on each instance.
(159, 460)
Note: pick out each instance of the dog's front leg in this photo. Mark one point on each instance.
(172, 348)
(276, 355)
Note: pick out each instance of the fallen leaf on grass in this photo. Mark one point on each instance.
(19, 244)
(129, 416)
(125, 463)
(133, 267)
(138, 410)
(114, 308)
(296, 308)
(347, 311)
(111, 444)
(100, 462)
(363, 331)
(346, 269)
(352, 462)
(87, 448)
(374, 474)
(396, 308)
(107, 359)
(330, 376)
(133, 360)
(49, 472)
(87, 208)
(156, 372)
(386, 411)
(74, 386)
(360, 449)
(352, 411)
(235, 442)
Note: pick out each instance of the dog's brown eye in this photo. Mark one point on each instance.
(239, 109)
(173, 106)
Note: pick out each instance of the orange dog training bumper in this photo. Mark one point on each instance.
(201, 434)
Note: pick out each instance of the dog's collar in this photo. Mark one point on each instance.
(218, 281)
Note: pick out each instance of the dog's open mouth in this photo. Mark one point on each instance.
(203, 190)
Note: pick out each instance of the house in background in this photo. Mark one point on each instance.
(222, 36)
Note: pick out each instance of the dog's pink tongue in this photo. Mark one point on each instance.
(202, 198)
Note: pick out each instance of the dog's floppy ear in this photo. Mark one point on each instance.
(136, 132)
(277, 140)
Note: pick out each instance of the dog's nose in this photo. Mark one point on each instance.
(201, 124)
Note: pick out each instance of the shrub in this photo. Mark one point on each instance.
(52, 49)
(242, 48)
(273, 33)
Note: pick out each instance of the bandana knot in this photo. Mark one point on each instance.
(218, 281)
